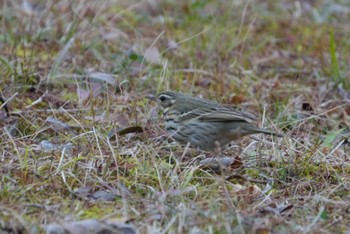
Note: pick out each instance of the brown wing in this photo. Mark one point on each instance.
(215, 115)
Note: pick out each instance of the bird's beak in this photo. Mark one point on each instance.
(151, 97)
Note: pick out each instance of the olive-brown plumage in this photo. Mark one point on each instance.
(203, 123)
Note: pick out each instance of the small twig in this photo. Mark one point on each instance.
(38, 100)
(4, 103)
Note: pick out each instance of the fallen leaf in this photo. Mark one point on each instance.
(153, 56)
(114, 34)
(217, 164)
(132, 129)
(57, 124)
(3, 116)
(83, 192)
(90, 226)
(104, 196)
(83, 95)
(250, 193)
(172, 45)
(130, 151)
(236, 99)
(277, 209)
(104, 77)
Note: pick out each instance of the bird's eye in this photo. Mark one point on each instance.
(162, 98)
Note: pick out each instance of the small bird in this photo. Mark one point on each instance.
(204, 124)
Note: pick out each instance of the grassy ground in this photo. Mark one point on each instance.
(74, 72)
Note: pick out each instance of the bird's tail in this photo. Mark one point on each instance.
(268, 132)
(262, 130)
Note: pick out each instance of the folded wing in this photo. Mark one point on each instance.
(216, 115)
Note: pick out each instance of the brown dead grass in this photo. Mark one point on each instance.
(74, 74)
